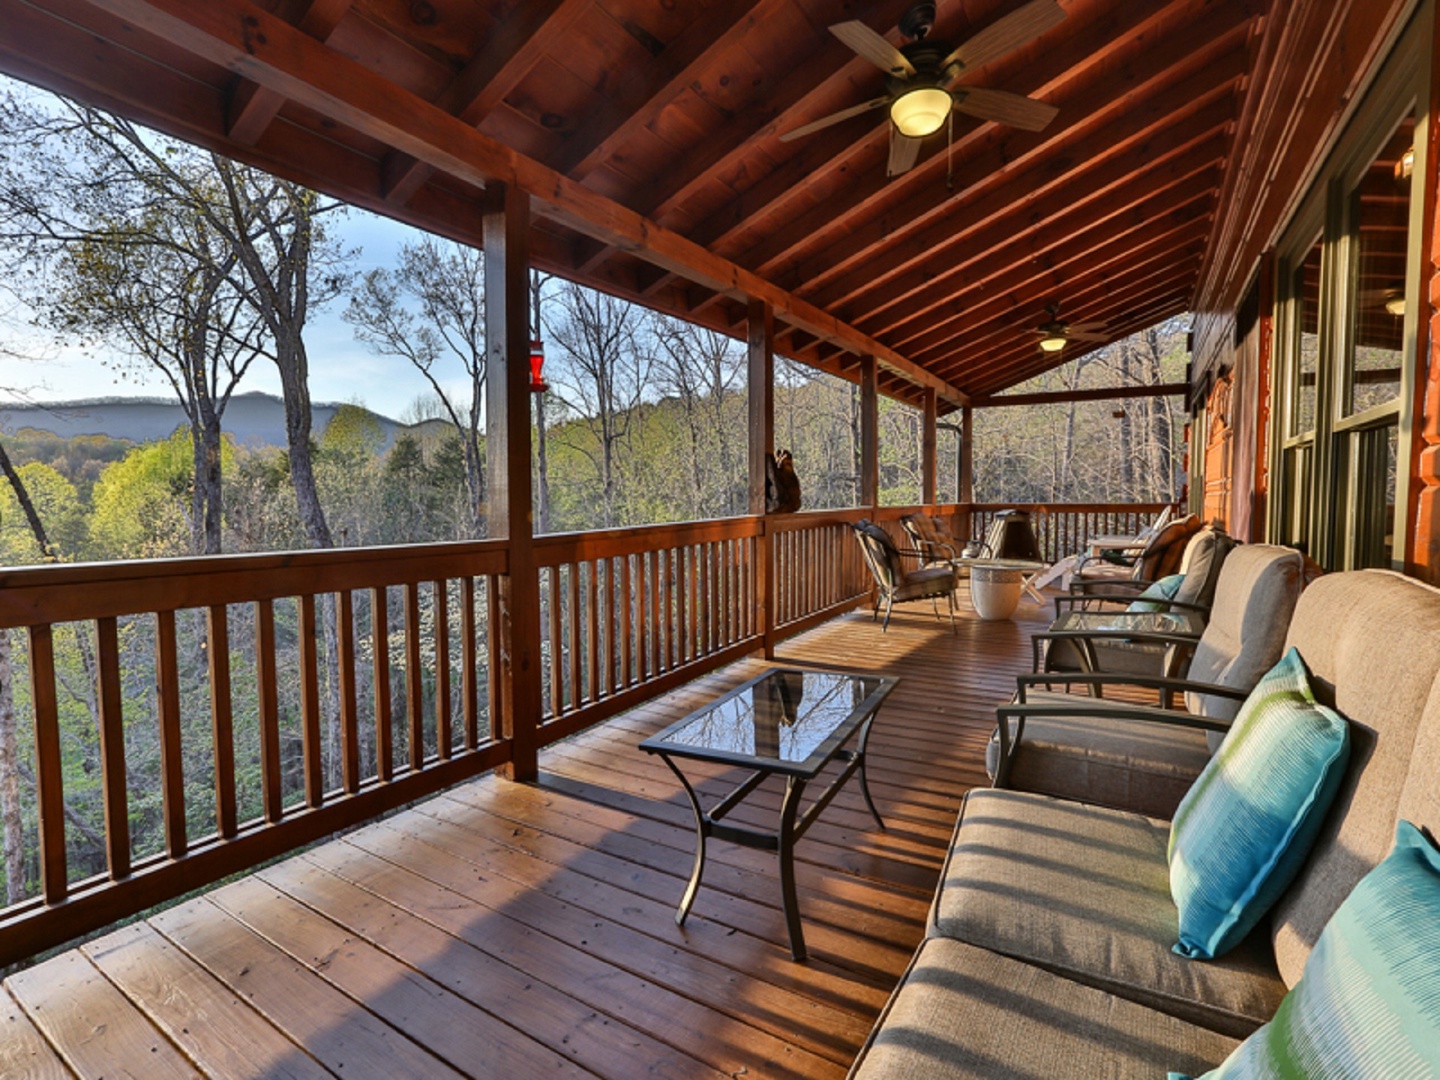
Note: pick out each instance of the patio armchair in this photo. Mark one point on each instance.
(1199, 571)
(1159, 558)
(1140, 757)
(894, 584)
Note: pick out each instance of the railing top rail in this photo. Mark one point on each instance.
(553, 549)
(1074, 508)
(32, 596)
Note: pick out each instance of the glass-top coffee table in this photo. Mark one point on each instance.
(786, 722)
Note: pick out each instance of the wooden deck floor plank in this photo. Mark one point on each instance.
(471, 1040)
(846, 852)
(597, 1041)
(24, 1052)
(93, 1027)
(673, 827)
(700, 1028)
(611, 833)
(786, 1013)
(615, 887)
(845, 823)
(345, 1037)
(218, 1031)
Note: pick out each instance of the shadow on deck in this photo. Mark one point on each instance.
(528, 930)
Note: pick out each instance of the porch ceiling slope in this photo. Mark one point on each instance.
(647, 135)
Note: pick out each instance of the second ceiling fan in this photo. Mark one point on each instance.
(920, 77)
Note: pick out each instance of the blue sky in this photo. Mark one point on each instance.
(341, 368)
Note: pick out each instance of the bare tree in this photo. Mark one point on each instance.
(430, 307)
(601, 381)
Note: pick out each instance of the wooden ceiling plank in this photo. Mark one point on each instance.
(1174, 79)
(993, 225)
(1012, 316)
(254, 43)
(252, 106)
(634, 104)
(820, 160)
(1090, 82)
(1081, 249)
(780, 107)
(508, 55)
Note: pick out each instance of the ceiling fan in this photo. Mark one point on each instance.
(1055, 334)
(920, 77)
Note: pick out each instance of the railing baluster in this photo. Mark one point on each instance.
(172, 767)
(469, 650)
(380, 658)
(625, 623)
(349, 696)
(112, 751)
(443, 740)
(49, 771)
(222, 726)
(494, 645)
(572, 628)
(592, 628)
(557, 647)
(663, 625)
(310, 706)
(414, 684)
(268, 690)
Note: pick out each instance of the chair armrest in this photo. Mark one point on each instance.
(1147, 713)
(1146, 682)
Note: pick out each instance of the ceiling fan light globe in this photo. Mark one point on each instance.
(1052, 343)
(921, 111)
(1395, 305)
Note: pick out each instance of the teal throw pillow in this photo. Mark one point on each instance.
(1245, 826)
(1164, 589)
(1368, 1003)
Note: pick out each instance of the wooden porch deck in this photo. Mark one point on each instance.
(516, 930)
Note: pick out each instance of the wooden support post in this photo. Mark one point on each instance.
(869, 434)
(761, 389)
(929, 444)
(507, 441)
(967, 454)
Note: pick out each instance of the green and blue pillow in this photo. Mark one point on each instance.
(1243, 829)
(1368, 1002)
(1164, 589)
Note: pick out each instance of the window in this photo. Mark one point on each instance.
(1349, 286)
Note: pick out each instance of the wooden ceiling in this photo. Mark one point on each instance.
(646, 132)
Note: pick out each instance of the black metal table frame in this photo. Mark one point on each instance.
(793, 824)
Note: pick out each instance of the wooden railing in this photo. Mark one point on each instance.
(272, 699)
(1065, 528)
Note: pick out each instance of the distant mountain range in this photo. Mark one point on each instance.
(253, 419)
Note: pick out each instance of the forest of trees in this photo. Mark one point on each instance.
(168, 260)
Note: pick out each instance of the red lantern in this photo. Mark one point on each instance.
(538, 385)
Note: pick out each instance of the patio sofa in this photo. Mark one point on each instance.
(1049, 945)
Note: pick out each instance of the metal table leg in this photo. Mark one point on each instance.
(702, 830)
(794, 789)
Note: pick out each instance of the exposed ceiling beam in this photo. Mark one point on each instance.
(1071, 256)
(1123, 110)
(633, 104)
(253, 43)
(995, 223)
(991, 401)
(253, 106)
(505, 57)
(1088, 70)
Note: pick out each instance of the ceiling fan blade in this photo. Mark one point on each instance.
(1010, 32)
(1084, 335)
(1086, 327)
(834, 118)
(904, 152)
(1004, 107)
(873, 47)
